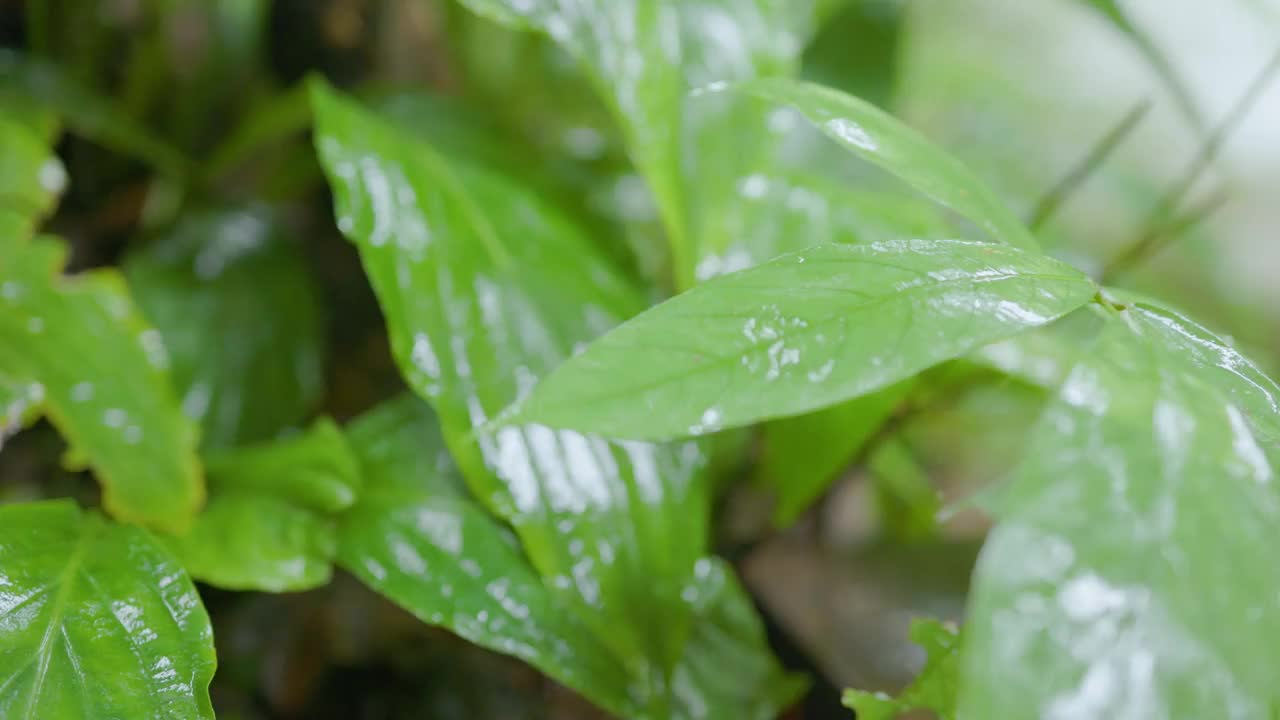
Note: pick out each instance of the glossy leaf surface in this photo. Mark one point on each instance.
(879, 138)
(1132, 573)
(105, 383)
(801, 333)
(269, 522)
(933, 689)
(98, 621)
(235, 304)
(485, 288)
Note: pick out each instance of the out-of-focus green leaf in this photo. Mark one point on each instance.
(105, 385)
(879, 138)
(908, 500)
(801, 333)
(485, 288)
(31, 177)
(802, 455)
(268, 523)
(432, 550)
(85, 112)
(644, 57)
(19, 403)
(99, 621)
(935, 687)
(416, 537)
(1132, 571)
(866, 67)
(239, 313)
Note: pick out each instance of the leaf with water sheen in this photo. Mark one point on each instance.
(933, 689)
(882, 139)
(105, 384)
(1132, 573)
(98, 621)
(801, 333)
(485, 288)
(241, 319)
(646, 55)
(269, 521)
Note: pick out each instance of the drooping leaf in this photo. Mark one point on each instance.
(933, 689)
(269, 522)
(105, 385)
(802, 455)
(240, 317)
(417, 538)
(1131, 573)
(879, 138)
(485, 288)
(801, 333)
(97, 620)
(645, 56)
(84, 111)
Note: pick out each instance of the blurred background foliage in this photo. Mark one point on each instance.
(188, 163)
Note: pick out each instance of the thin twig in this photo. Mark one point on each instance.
(1101, 150)
(1157, 221)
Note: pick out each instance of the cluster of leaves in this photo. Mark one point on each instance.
(546, 491)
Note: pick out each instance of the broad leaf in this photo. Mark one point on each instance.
(19, 403)
(105, 384)
(802, 455)
(96, 621)
(879, 138)
(417, 538)
(645, 56)
(801, 333)
(485, 288)
(1132, 573)
(31, 177)
(933, 689)
(239, 314)
(268, 524)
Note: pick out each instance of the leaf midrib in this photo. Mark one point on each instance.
(65, 581)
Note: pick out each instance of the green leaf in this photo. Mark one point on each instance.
(485, 288)
(415, 539)
(803, 455)
(801, 333)
(1132, 572)
(104, 380)
(933, 689)
(19, 403)
(645, 56)
(31, 177)
(99, 621)
(235, 303)
(85, 112)
(883, 140)
(268, 524)
(418, 539)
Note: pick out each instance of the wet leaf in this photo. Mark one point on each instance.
(644, 58)
(883, 140)
(803, 455)
(1131, 573)
(485, 288)
(269, 522)
(234, 300)
(801, 333)
(933, 689)
(105, 384)
(31, 177)
(99, 621)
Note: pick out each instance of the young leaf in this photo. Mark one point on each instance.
(879, 138)
(485, 288)
(802, 455)
(645, 56)
(99, 621)
(268, 524)
(933, 689)
(104, 383)
(240, 317)
(800, 333)
(1104, 591)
